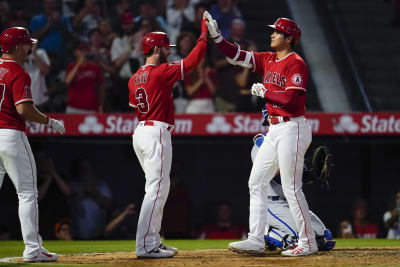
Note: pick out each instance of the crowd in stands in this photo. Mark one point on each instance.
(88, 49)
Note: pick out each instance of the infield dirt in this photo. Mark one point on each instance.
(221, 257)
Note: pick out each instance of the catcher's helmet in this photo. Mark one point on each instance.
(153, 39)
(289, 27)
(15, 36)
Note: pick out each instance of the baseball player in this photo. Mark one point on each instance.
(281, 230)
(16, 158)
(284, 89)
(150, 93)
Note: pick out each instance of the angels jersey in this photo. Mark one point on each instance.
(150, 91)
(15, 88)
(279, 75)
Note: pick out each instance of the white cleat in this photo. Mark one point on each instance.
(43, 256)
(297, 251)
(156, 253)
(169, 248)
(246, 246)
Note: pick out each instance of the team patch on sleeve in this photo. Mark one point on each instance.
(297, 79)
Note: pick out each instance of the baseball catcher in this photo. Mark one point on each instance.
(281, 231)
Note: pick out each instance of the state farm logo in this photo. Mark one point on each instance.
(90, 125)
(218, 124)
(345, 124)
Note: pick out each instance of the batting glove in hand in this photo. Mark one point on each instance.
(258, 89)
(56, 125)
(212, 27)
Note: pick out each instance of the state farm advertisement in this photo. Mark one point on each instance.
(222, 124)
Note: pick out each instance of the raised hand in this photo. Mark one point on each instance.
(212, 25)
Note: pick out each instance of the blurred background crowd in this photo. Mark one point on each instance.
(88, 49)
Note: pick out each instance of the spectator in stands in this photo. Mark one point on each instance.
(52, 29)
(88, 18)
(345, 230)
(38, 67)
(195, 26)
(90, 201)
(100, 55)
(224, 12)
(118, 9)
(53, 193)
(18, 19)
(85, 82)
(224, 228)
(391, 218)
(361, 226)
(181, 12)
(62, 230)
(126, 57)
(200, 86)
(123, 224)
(69, 8)
(234, 81)
(147, 9)
(108, 34)
(4, 15)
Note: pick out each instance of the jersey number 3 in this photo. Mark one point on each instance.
(141, 97)
(2, 93)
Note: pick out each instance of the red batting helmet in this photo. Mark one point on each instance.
(153, 39)
(289, 27)
(15, 36)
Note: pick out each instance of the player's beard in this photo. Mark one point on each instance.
(163, 57)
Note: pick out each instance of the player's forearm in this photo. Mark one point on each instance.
(230, 50)
(194, 57)
(29, 112)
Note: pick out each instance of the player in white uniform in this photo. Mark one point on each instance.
(284, 88)
(150, 93)
(281, 229)
(16, 158)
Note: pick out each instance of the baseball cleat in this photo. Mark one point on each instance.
(43, 256)
(246, 246)
(297, 251)
(168, 248)
(156, 253)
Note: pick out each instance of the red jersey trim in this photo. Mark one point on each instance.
(23, 100)
(8, 60)
(182, 73)
(296, 88)
(132, 105)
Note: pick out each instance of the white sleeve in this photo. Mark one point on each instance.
(116, 49)
(43, 55)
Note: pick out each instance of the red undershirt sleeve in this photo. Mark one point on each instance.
(285, 98)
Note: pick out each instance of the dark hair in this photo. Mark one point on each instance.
(95, 30)
(150, 53)
(183, 35)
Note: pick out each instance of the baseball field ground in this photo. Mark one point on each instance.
(348, 252)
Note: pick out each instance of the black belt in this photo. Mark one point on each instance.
(276, 198)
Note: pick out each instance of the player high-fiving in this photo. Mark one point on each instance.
(150, 93)
(284, 89)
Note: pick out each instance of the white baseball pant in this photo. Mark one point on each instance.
(153, 147)
(17, 160)
(283, 148)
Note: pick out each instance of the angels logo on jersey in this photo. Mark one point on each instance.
(28, 93)
(297, 79)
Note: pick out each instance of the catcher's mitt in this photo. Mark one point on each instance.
(322, 164)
